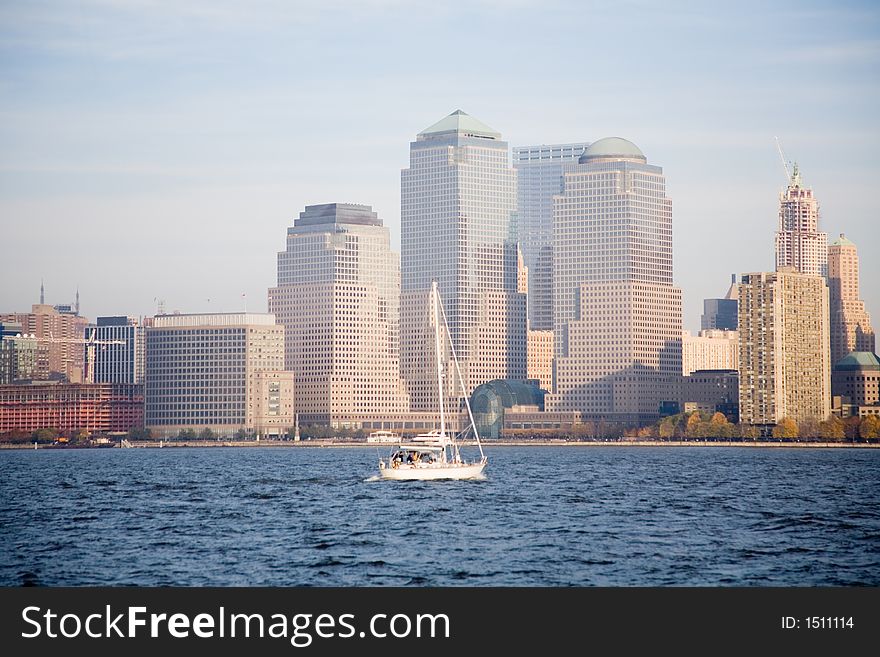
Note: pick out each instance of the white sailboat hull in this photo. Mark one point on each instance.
(431, 471)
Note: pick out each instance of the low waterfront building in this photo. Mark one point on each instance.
(69, 407)
(222, 372)
(491, 401)
(856, 381)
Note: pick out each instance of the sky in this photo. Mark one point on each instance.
(157, 151)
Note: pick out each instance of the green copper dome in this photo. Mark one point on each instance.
(842, 241)
(458, 121)
(857, 360)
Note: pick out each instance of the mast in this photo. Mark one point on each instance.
(437, 351)
(461, 384)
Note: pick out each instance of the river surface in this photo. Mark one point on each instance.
(543, 516)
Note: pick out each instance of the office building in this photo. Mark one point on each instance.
(59, 337)
(114, 350)
(539, 178)
(720, 314)
(458, 210)
(222, 372)
(709, 350)
(617, 315)
(850, 323)
(18, 354)
(338, 298)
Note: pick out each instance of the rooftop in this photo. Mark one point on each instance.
(613, 148)
(857, 360)
(460, 122)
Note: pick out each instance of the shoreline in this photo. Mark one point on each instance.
(343, 444)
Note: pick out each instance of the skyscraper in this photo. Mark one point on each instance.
(617, 316)
(539, 178)
(783, 350)
(720, 314)
(799, 243)
(338, 297)
(850, 323)
(458, 207)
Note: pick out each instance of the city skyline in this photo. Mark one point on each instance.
(175, 143)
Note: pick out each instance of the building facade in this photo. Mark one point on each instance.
(338, 298)
(617, 315)
(850, 322)
(69, 407)
(60, 338)
(18, 354)
(458, 211)
(222, 372)
(709, 350)
(720, 314)
(784, 355)
(539, 178)
(115, 350)
(799, 243)
(540, 359)
(856, 377)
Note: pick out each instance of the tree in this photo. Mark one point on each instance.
(869, 429)
(186, 434)
(139, 433)
(786, 429)
(832, 429)
(851, 427)
(45, 435)
(693, 426)
(719, 427)
(809, 428)
(667, 428)
(207, 434)
(748, 431)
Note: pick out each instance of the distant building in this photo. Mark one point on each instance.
(338, 298)
(222, 372)
(115, 350)
(457, 217)
(784, 356)
(799, 243)
(710, 350)
(857, 377)
(69, 407)
(539, 178)
(850, 323)
(720, 314)
(18, 354)
(59, 337)
(540, 358)
(711, 391)
(617, 315)
(492, 400)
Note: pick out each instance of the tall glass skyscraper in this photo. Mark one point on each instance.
(617, 316)
(458, 211)
(539, 178)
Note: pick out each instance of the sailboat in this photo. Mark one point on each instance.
(436, 454)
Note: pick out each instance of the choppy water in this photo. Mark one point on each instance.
(610, 516)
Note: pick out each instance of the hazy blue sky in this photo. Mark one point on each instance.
(158, 150)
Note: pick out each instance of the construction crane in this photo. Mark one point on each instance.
(782, 157)
(90, 343)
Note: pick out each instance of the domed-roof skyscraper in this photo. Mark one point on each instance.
(617, 315)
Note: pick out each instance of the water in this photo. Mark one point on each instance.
(607, 516)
